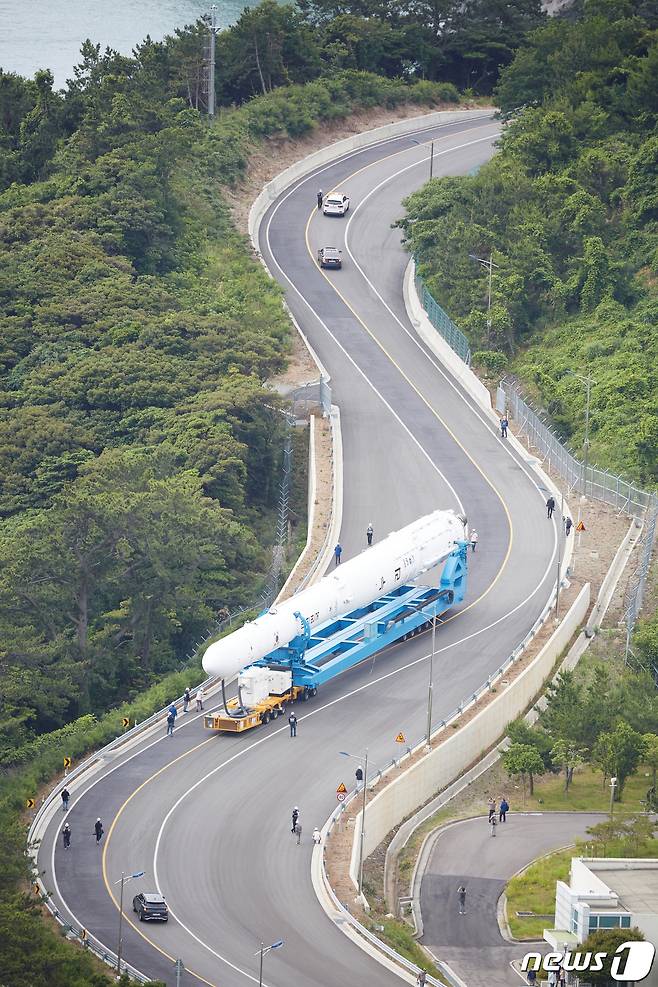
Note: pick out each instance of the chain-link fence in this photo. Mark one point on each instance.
(442, 322)
(588, 480)
(635, 590)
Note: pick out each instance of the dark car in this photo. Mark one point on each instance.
(329, 257)
(151, 908)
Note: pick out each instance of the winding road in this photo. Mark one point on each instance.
(207, 817)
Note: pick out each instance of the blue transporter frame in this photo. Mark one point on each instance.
(318, 655)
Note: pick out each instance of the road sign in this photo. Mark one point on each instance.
(125, 722)
(36, 888)
(580, 526)
(341, 790)
(68, 762)
(30, 803)
(340, 796)
(400, 739)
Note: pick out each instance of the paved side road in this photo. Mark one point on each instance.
(465, 853)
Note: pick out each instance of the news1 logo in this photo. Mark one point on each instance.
(631, 962)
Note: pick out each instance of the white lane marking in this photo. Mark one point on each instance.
(274, 733)
(340, 346)
(473, 407)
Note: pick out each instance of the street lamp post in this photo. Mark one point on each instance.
(123, 880)
(613, 786)
(364, 758)
(587, 381)
(430, 690)
(489, 265)
(414, 141)
(264, 950)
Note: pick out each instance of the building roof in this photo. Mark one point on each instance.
(637, 886)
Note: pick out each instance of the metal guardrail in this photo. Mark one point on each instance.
(442, 322)
(379, 773)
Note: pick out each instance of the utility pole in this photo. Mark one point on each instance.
(559, 558)
(363, 820)
(587, 381)
(489, 265)
(211, 62)
(431, 160)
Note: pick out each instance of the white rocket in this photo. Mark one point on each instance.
(398, 559)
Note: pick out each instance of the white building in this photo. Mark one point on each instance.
(607, 893)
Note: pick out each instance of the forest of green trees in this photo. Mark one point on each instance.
(569, 213)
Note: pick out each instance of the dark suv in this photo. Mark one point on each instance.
(151, 908)
(329, 257)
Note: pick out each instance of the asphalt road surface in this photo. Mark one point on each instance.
(465, 853)
(208, 817)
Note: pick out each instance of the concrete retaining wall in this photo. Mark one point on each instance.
(448, 760)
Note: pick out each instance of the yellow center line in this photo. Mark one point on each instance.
(108, 886)
(411, 384)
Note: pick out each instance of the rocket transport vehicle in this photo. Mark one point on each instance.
(361, 607)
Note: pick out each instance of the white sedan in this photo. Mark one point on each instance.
(335, 204)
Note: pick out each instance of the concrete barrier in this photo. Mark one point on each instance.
(449, 759)
(328, 154)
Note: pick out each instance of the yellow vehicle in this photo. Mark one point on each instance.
(262, 696)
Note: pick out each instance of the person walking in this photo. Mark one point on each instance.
(292, 720)
(358, 774)
(492, 806)
(98, 830)
(298, 831)
(461, 893)
(493, 822)
(568, 525)
(552, 978)
(199, 699)
(65, 799)
(295, 817)
(317, 836)
(421, 979)
(369, 533)
(320, 197)
(562, 977)
(474, 540)
(66, 836)
(171, 720)
(550, 507)
(187, 699)
(531, 977)
(504, 425)
(504, 809)
(338, 551)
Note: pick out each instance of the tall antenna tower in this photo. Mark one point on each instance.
(211, 61)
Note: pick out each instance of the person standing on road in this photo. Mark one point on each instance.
(199, 699)
(317, 836)
(492, 806)
(493, 822)
(295, 817)
(461, 892)
(65, 799)
(171, 720)
(338, 551)
(504, 809)
(292, 720)
(504, 425)
(98, 830)
(187, 699)
(421, 979)
(550, 507)
(358, 774)
(369, 533)
(474, 540)
(320, 197)
(531, 977)
(552, 978)
(568, 525)
(66, 836)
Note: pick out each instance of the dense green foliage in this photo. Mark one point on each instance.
(569, 212)
(607, 717)
(461, 43)
(139, 444)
